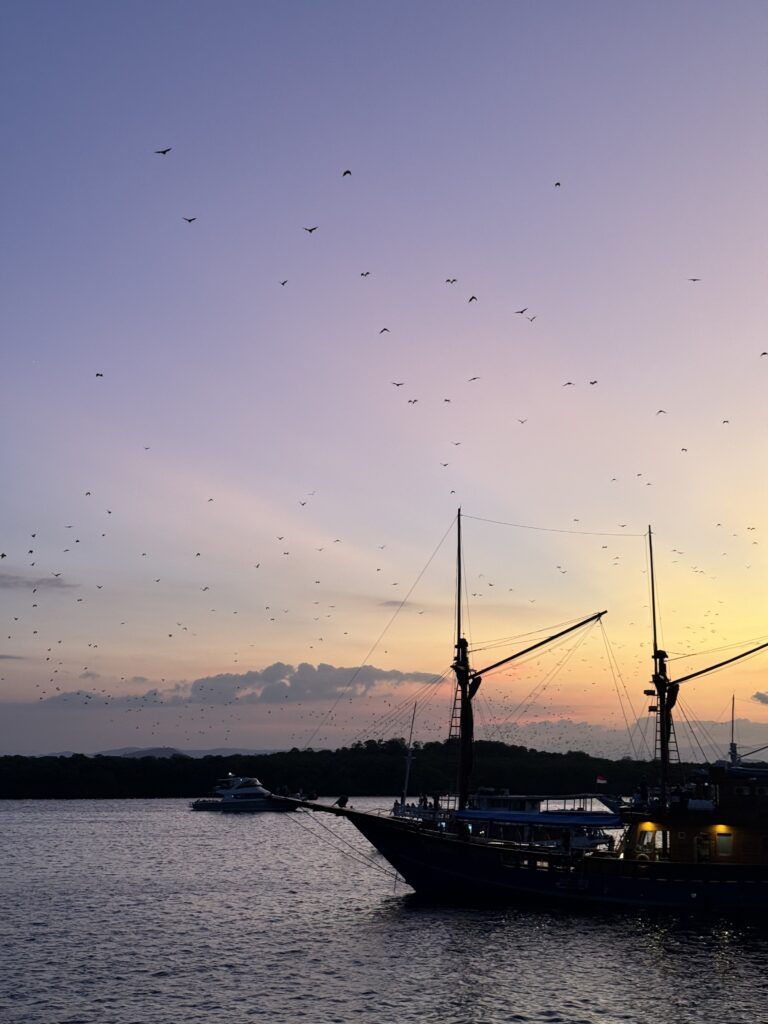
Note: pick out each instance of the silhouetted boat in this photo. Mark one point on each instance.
(241, 795)
(701, 845)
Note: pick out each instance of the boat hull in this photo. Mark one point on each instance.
(257, 805)
(450, 866)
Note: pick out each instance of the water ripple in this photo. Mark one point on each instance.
(139, 911)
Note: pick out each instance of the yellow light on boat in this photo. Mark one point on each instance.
(722, 828)
(650, 826)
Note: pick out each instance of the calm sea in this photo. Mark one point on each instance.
(141, 912)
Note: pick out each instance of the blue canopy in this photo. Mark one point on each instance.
(559, 819)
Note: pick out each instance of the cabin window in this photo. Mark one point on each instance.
(724, 844)
(681, 835)
(655, 840)
(653, 844)
(761, 791)
(702, 847)
(741, 790)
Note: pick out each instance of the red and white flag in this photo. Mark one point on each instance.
(601, 780)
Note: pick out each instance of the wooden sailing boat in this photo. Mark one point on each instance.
(701, 845)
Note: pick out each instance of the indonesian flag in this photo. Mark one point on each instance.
(601, 780)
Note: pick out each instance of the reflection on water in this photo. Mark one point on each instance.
(140, 911)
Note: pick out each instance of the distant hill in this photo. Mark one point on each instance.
(142, 752)
(175, 752)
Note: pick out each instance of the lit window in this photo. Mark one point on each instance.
(724, 844)
(662, 839)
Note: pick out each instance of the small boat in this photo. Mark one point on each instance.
(237, 794)
(696, 843)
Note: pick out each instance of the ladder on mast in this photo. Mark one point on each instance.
(673, 751)
(454, 729)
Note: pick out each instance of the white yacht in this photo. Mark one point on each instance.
(239, 794)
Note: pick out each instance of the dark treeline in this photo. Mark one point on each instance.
(376, 767)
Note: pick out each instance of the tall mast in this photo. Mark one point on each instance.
(458, 577)
(467, 689)
(666, 691)
(653, 601)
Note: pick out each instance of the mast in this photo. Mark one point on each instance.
(467, 689)
(458, 577)
(666, 691)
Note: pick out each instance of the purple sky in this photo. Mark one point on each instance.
(278, 402)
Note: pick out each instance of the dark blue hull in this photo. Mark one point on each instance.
(444, 865)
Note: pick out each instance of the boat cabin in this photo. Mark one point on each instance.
(559, 823)
(722, 819)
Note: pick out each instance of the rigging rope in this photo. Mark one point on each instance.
(358, 670)
(642, 725)
(718, 650)
(489, 645)
(485, 709)
(355, 855)
(616, 671)
(422, 697)
(541, 686)
(546, 529)
(692, 731)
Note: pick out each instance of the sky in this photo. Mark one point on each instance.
(233, 449)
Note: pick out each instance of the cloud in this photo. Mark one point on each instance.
(760, 698)
(277, 682)
(325, 682)
(222, 689)
(74, 697)
(10, 582)
(11, 657)
(280, 682)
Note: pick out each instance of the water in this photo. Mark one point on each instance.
(141, 912)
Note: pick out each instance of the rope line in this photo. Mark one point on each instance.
(422, 697)
(522, 707)
(616, 673)
(692, 731)
(549, 529)
(355, 855)
(719, 650)
(376, 642)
